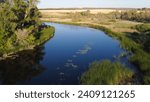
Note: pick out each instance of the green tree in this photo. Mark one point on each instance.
(32, 14)
(7, 16)
(18, 18)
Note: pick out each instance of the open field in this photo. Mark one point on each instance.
(93, 11)
(95, 17)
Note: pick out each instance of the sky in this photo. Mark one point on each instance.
(94, 3)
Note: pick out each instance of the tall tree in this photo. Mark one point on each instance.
(7, 16)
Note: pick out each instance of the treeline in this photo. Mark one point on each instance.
(138, 15)
(20, 25)
(142, 15)
(17, 14)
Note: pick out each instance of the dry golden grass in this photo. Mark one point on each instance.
(93, 11)
(122, 26)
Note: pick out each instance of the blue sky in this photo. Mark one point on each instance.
(93, 3)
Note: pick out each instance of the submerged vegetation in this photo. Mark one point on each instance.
(107, 73)
(20, 26)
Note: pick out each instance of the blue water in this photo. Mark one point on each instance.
(68, 54)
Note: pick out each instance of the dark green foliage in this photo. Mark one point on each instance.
(7, 26)
(107, 73)
(28, 43)
(142, 60)
(142, 36)
(26, 12)
(20, 26)
(19, 8)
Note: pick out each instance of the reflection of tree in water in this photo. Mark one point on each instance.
(22, 67)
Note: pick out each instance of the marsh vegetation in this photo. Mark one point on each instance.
(107, 73)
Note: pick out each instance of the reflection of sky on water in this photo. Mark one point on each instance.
(71, 51)
(64, 57)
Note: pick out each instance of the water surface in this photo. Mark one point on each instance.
(62, 59)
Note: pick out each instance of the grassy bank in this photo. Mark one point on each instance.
(107, 73)
(140, 58)
(27, 43)
(126, 43)
(45, 35)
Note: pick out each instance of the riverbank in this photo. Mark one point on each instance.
(139, 57)
(67, 55)
(126, 43)
(107, 73)
(30, 42)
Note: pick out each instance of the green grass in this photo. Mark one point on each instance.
(45, 35)
(107, 73)
(141, 59)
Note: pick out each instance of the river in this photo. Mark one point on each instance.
(62, 59)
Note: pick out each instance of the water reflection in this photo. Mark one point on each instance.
(22, 67)
(65, 57)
